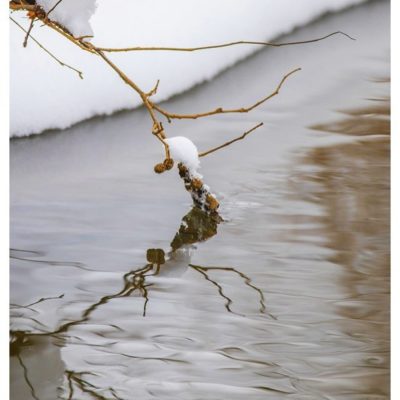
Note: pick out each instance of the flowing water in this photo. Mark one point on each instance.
(120, 291)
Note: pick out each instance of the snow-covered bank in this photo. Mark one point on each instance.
(45, 95)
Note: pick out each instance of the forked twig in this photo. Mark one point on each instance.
(63, 64)
(37, 12)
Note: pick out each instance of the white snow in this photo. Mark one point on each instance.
(45, 95)
(72, 14)
(184, 150)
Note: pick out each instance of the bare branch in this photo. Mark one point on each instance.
(132, 84)
(219, 46)
(206, 153)
(80, 73)
(37, 12)
(22, 6)
(221, 110)
(63, 31)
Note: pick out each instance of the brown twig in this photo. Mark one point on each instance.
(64, 32)
(219, 46)
(63, 64)
(206, 153)
(158, 130)
(221, 110)
(28, 32)
(22, 6)
(130, 83)
(53, 8)
(154, 90)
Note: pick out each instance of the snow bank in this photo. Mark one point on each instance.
(72, 14)
(45, 95)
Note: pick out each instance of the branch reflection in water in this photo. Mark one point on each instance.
(196, 226)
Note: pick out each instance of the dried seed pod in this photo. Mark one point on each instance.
(159, 168)
(168, 163)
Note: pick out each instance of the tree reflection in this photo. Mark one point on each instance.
(196, 226)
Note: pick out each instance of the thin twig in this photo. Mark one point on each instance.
(218, 46)
(154, 90)
(28, 32)
(206, 153)
(221, 110)
(151, 107)
(64, 32)
(53, 8)
(129, 82)
(80, 74)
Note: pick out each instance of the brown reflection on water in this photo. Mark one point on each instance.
(371, 120)
(351, 183)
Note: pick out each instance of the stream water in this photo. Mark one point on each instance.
(120, 291)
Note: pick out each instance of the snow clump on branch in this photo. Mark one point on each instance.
(72, 14)
(184, 151)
